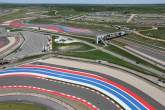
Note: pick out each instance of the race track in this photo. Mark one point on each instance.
(14, 43)
(3, 41)
(32, 98)
(107, 89)
(19, 23)
(97, 91)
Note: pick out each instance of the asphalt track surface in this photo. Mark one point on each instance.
(32, 45)
(55, 28)
(79, 101)
(3, 41)
(32, 99)
(155, 53)
(151, 52)
(121, 94)
(125, 97)
(150, 100)
(14, 43)
(88, 95)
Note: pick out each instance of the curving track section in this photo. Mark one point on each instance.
(3, 41)
(51, 92)
(19, 23)
(100, 101)
(125, 97)
(13, 43)
(45, 101)
(74, 82)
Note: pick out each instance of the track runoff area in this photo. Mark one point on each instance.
(93, 90)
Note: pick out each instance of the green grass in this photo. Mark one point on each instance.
(15, 30)
(31, 57)
(145, 41)
(119, 43)
(125, 8)
(62, 11)
(103, 26)
(160, 33)
(41, 21)
(91, 25)
(138, 28)
(54, 44)
(99, 55)
(106, 7)
(83, 47)
(78, 24)
(18, 14)
(130, 56)
(124, 54)
(21, 106)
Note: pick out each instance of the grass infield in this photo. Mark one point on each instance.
(21, 106)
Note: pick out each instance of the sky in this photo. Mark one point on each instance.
(88, 1)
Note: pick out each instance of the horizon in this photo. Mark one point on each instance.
(77, 4)
(126, 2)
